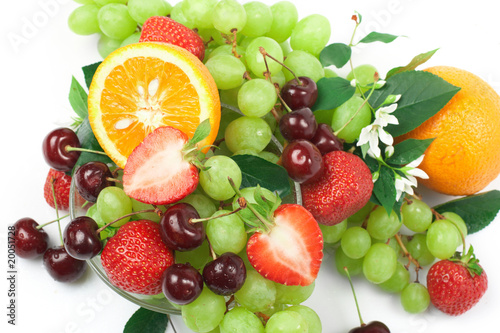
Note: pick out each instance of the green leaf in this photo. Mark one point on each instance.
(416, 61)
(378, 37)
(89, 71)
(423, 95)
(78, 98)
(88, 141)
(258, 171)
(146, 321)
(201, 132)
(384, 188)
(477, 210)
(337, 54)
(408, 151)
(332, 93)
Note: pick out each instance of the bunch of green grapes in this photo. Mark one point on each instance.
(382, 247)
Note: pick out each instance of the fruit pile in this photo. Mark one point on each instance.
(187, 198)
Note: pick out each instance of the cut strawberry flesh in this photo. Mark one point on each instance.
(292, 251)
(156, 172)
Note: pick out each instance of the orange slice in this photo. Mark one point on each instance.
(143, 86)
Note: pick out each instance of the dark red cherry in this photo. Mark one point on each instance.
(325, 140)
(54, 149)
(91, 178)
(81, 239)
(177, 232)
(298, 124)
(300, 95)
(303, 161)
(29, 241)
(372, 327)
(225, 275)
(181, 283)
(61, 266)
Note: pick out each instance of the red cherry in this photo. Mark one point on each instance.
(298, 124)
(303, 162)
(30, 241)
(325, 140)
(55, 152)
(300, 95)
(61, 266)
(371, 327)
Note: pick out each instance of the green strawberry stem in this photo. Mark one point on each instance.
(241, 201)
(70, 148)
(98, 231)
(50, 222)
(362, 323)
(57, 211)
(267, 224)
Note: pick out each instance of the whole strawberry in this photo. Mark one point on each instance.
(135, 258)
(345, 187)
(62, 183)
(164, 29)
(456, 285)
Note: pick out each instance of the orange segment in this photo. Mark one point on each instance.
(143, 86)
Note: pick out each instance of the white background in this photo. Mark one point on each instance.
(39, 55)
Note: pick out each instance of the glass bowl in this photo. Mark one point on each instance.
(158, 303)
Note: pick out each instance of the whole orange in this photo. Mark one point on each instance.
(465, 156)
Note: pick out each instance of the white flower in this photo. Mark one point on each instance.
(389, 151)
(411, 168)
(383, 116)
(404, 185)
(370, 135)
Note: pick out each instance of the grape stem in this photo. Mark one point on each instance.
(437, 215)
(407, 254)
(362, 323)
(50, 222)
(234, 44)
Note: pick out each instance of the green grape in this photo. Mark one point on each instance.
(279, 78)
(459, 223)
(271, 121)
(115, 21)
(355, 242)
(177, 14)
(311, 34)
(240, 320)
(417, 216)
(360, 215)
(227, 233)
(132, 39)
(293, 294)
(257, 293)
(259, 19)
(205, 313)
(245, 42)
(198, 257)
(268, 156)
(227, 115)
(93, 213)
(230, 97)
(101, 3)
(203, 205)
(332, 234)
(256, 97)
(355, 266)
(285, 46)
(273, 309)
(417, 247)
(364, 75)
(311, 317)
(228, 49)
(398, 281)
(247, 152)
(214, 181)
(380, 263)
(249, 194)
(227, 71)
(106, 45)
(442, 240)
(360, 113)
(415, 298)
(113, 203)
(285, 18)
(139, 206)
(303, 64)
(330, 73)
(286, 322)
(248, 133)
(228, 15)
(83, 20)
(382, 226)
(200, 12)
(84, 2)
(255, 59)
(141, 10)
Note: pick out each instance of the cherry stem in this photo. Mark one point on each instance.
(57, 210)
(265, 54)
(266, 223)
(354, 294)
(156, 210)
(70, 148)
(241, 201)
(50, 222)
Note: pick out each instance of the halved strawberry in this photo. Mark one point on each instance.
(158, 171)
(291, 251)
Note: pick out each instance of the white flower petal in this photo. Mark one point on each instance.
(385, 137)
(389, 151)
(418, 173)
(364, 136)
(390, 119)
(416, 163)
